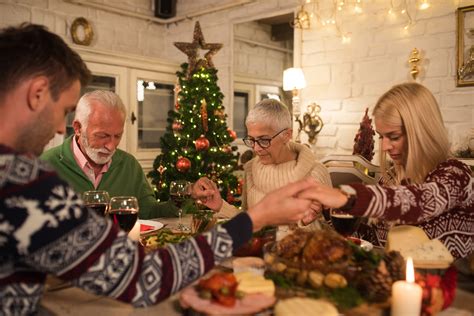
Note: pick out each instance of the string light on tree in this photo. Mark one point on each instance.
(197, 130)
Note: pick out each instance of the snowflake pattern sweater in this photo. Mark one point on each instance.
(45, 229)
(443, 206)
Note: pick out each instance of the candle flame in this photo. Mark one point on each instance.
(410, 273)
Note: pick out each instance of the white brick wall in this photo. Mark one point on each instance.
(343, 78)
(375, 60)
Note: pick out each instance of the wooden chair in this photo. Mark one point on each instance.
(345, 169)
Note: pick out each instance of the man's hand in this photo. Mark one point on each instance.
(205, 191)
(286, 205)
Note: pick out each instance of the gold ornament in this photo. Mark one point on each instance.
(204, 114)
(191, 49)
(86, 39)
(220, 113)
(414, 60)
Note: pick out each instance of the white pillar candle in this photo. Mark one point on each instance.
(406, 295)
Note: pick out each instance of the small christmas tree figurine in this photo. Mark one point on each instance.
(364, 139)
(197, 141)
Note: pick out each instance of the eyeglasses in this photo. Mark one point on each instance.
(262, 142)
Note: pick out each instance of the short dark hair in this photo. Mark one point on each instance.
(31, 50)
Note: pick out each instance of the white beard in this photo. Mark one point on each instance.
(93, 153)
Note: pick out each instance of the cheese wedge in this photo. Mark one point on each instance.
(431, 254)
(404, 236)
(412, 241)
(250, 283)
(302, 306)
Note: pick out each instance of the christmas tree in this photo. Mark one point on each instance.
(364, 139)
(197, 140)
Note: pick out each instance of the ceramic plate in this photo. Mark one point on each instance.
(147, 226)
(248, 305)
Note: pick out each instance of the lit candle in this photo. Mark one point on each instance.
(406, 295)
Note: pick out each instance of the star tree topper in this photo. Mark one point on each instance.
(192, 50)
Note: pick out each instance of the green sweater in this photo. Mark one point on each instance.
(124, 177)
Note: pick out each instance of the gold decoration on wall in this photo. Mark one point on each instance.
(301, 20)
(82, 23)
(312, 122)
(413, 61)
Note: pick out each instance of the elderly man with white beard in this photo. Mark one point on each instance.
(90, 159)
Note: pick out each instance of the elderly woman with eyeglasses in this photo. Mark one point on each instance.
(278, 161)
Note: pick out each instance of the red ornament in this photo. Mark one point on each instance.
(202, 143)
(230, 198)
(227, 149)
(232, 133)
(183, 164)
(177, 106)
(240, 186)
(177, 126)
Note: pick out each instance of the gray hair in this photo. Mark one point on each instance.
(270, 112)
(107, 98)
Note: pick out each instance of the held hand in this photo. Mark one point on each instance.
(205, 191)
(313, 213)
(283, 206)
(326, 195)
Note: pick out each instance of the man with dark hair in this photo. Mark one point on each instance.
(44, 226)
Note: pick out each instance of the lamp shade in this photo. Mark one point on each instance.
(293, 78)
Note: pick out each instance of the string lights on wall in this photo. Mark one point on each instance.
(329, 14)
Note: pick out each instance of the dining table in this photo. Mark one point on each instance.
(69, 300)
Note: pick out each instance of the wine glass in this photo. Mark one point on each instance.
(97, 201)
(124, 211)
(179, 192)
(344, 223)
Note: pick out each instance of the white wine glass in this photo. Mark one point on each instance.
(124, 211)
(97, 201)
(179, 192)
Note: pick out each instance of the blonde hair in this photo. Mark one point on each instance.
(414, 108)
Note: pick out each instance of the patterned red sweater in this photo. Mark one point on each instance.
(45, 229)
(443, 206)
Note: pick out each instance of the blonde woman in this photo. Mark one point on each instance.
(425, 187)
(277, 162)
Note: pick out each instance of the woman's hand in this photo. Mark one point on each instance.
(326, 195)
(286, 205)
(205, 192)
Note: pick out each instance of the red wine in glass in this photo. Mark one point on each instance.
(125, 218)
(124, 211)
(345, 224)
(97, 200)
(179, 191)
(99, 208)
(178, 199)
